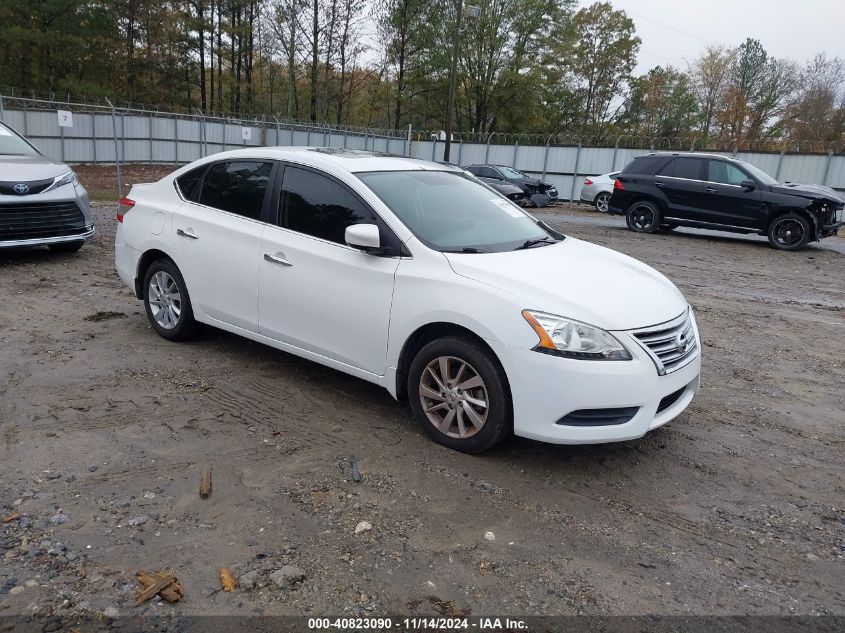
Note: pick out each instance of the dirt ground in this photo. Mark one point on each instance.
(735, 507)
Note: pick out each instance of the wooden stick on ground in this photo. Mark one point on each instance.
(205, 484)
(11, 517)
(153, 589)
(171, 593)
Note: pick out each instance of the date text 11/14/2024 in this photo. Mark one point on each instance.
(418, 624)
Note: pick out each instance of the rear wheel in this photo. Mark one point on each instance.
(789, 232)
(167, 302)
(66, 247)
(643, 217)
(458, 392)
(602, 202)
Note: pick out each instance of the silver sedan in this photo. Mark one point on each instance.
(42, 202)
(597, 190)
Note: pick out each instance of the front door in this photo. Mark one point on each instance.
(315, 292)
(726, 202)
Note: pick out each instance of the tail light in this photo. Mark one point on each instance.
(587, 182)
(617, 184)
(123, 207)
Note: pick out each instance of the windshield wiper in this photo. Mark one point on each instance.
(530, 243)
(466, 249)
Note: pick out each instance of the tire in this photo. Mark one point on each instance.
(643, 217)
(66, 247)
(470, 428)
(789, 232)
(601, 203)
(171, 316)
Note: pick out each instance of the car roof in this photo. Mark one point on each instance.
(691, 155)
(336, 158)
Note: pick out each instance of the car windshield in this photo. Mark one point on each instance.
(511, 173)
(452, 213)
(12, 144)
(758, 173)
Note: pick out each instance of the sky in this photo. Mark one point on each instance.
(677, 31)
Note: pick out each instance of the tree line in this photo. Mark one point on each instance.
(525, 66)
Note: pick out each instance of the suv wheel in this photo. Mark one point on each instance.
(643, 217)
(789, 232)
(601, 202)
(167, 302)
(458, 392)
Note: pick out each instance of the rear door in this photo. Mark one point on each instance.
(317, 293)
(217, 234)
(680, 181)
(726, 202)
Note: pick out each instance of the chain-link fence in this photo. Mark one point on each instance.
(77, 130)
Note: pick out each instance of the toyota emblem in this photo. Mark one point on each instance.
(21, 188)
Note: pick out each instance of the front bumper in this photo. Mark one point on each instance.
(53, 217)
(545, 389)
(46, 241)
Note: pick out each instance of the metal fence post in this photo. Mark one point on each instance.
(460, 150)
(780, 162)
(62, 137)
(434, 148)
(308, 138)
(487, 149)
(175, 140)
(94, 135)
(546, 158)
(615, 152)
(2, 113)
(116, 155)
(150, 128)
(827, 166)
(575, 174)
(515, 154)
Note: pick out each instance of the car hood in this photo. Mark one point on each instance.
(536, 182)
(810, 191)
(578, 280)
(502, 187)
(20, 168)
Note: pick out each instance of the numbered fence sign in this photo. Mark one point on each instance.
(246, 133)
(65, 118)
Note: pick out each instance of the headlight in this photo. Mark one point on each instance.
(573, 339)
(65, 179)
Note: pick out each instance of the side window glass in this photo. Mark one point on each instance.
(689, 168)
(187, 183)
(320, 207)
(725, 173)
(237, 187)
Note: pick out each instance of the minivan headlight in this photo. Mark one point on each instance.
(573, 339)
(64, 179)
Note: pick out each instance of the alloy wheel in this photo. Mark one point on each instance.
(788, 232)
(602, 202)
(165, 300)
(642, 218)
(453, 397)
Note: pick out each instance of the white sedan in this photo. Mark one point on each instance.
(413, 276)
(596, 190)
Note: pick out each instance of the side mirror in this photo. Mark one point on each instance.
(748, 185)
(363, 236)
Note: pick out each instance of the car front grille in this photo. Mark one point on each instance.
(7, 188)
(671, 345)
(36, 220)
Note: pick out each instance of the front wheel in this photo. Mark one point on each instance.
(643, 217)
(789, 232)
(167, 302)
(458, 392)
(602, 202)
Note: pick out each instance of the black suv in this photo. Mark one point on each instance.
(709, 191)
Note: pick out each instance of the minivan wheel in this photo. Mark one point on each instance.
(601, 202)
(167, 302)
(789, 232)
(643, 217)
(458, 392)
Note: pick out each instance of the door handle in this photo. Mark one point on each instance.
(711, 190)
(277, 259)
(658, 183)
(188, 233)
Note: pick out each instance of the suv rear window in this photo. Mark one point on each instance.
(644, 165)
(689, 168)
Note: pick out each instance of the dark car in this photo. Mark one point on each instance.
(531, 186)
(709, 191)
(511, 192)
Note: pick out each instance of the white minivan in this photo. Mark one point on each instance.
(414, 276)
